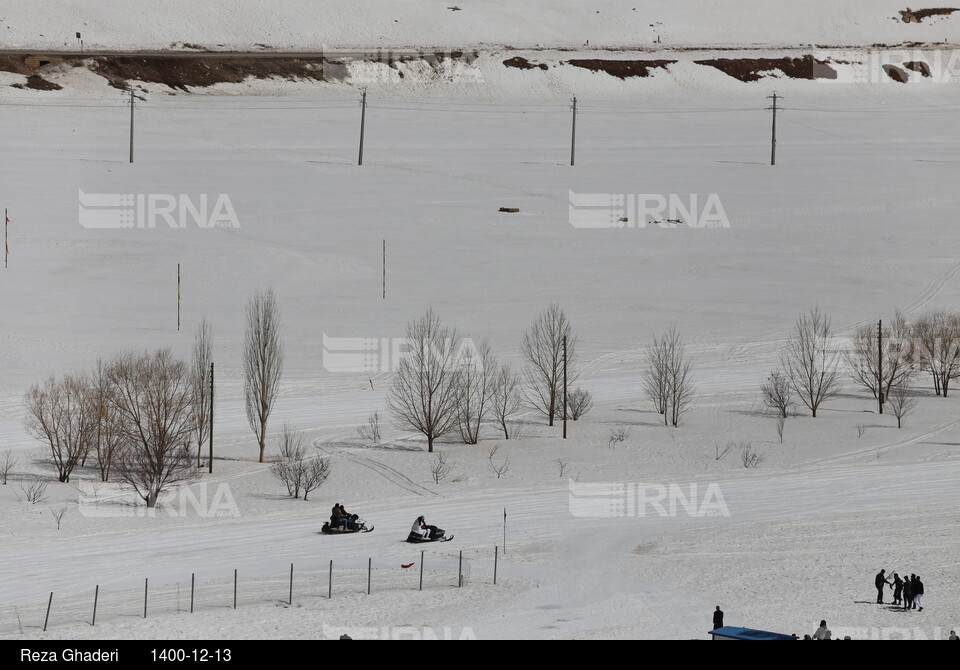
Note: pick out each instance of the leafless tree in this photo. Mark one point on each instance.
(617, 436)
(440, 468)
(423, 397)
(34, 490)
(781, 423)
(669, 379)
(154, 397)
(937, 341)
(543, 348)
(810, 363)
(476, 383)
(262, 362)
(200, 379)
(109, 437)
(579, 402)
(777, 392)
(505, 402)
(7, 463)
(749, 457)
(500, 468)
(58, 513)
(315, 473)
(719, 454)
(878, 366)
(58, 414)
(370, 431)
(902, 403)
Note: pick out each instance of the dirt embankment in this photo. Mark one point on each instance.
(918, 15)
(754, 69)
(621, 68)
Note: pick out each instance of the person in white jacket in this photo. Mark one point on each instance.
(420, 528)
(823, 633)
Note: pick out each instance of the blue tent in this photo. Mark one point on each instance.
(735, 633)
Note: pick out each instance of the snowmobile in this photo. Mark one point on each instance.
(436, 535)
(355, 525)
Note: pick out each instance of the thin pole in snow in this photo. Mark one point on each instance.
(363, 119)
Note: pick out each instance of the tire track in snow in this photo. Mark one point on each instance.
(394, 476)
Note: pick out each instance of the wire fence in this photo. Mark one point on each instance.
(323, 580)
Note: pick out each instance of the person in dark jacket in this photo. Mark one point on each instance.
(717, 618)
(897, 589)
(907, 592)
(918, 593)
(881, 581)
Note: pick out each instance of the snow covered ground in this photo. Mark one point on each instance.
(858, 217)
(308, 24)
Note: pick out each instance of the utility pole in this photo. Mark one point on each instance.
(773, 138)
(210, 456)
(564, 387)
(131, 124)
(880, 365)
(363, 119)
(573, 131)
(384, 269)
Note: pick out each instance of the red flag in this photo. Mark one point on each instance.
(408, 565)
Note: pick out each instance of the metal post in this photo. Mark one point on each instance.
(290, 600)
(46, 619)
(96, 595)
(234, 588)
(330, 583)
(363, 119)
(369, 570)
(421, 571)
(496, 551)
(573, 132)
(146, 581)
(193, 578)
(131, 123)
(460, 570)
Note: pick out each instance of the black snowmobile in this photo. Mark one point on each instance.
(354, 525)
(436, 535)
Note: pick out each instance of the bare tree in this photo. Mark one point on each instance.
(7, 463)
(902, 403)
(579, 402)
(809, 362)
(669, 379)
(500, 468)
(781, 423)
(154, 397)
(879, 365)
(440, 468)
(262, 362)
(423, 397)
(200, 379)
(777, 392)
(937, 340)
(543, 347)
(315, 472)
(370, 431)
(476, 382)
(506, 399)
(109, 437)
(58, 414)
(288, 467)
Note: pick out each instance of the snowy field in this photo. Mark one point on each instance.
(857, 217)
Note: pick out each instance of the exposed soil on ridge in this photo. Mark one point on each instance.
(522, 63)
(754, 69)
(621, 68)
(918, 15)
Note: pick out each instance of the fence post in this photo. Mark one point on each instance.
(290, 602)
(96, 593)
(146, 582)
(234, 588)
(460, 571)
(496, 551)
(369, 571)
(47, 618)
(193, 578)
(421, 571)
(330, 582)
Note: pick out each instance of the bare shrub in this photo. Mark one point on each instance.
(57, 413)
(720, 453)
(499, 468)
(58, 514)
(34, 490)
(937, 339)
(370, 431)
(902, 403)
(777, 392)
(561, 466)
(7, 463)
(506, 400)
(579, 402)
(749, 457)
(440, 468)
(861, 429)
(617, 436)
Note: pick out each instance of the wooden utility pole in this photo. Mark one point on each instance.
(573, 132)
(210, 455)
(564, 387)
(773, 137)
(363, 119)
(131, 123)
(880, 365)
(384, 269)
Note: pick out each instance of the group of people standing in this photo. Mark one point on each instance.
(907, 591)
